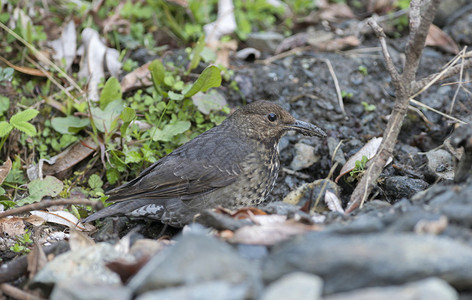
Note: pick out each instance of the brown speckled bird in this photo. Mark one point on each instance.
(231, 165)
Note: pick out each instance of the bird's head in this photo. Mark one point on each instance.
(264, 120)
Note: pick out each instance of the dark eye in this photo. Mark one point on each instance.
(272, 117)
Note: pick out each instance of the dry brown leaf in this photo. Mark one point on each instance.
(126, 269)
(26, 70)
(140, 77)
(438, 38)
(12, 226)
(36, 260)
(5, 169)
(69, 157)
(79, 240)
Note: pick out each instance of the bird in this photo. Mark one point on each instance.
(232, 165)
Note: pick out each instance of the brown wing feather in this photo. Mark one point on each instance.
(196, 168)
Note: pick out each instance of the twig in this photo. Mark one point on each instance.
(436, 111)
(271, 59)
(460, 81)
(379, 32)
(47, 203)
(336, 85)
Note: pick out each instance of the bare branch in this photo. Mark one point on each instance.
(403, 87)
(379, 32)
(417, 38)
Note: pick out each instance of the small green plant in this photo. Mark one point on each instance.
(22, 243)
(346, 95)
(360, 166)
(19, 121)
(368, 107)
(363, 70)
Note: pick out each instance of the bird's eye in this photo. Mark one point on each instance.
(272, 117)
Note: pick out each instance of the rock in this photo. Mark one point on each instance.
(196, 259)
(296, 285)
(304, 157)
(440, 164)
(397, 187)
(203, 291)
(264, 41)
(351, 262)
(85, 264)
(430, 288)
(75, 289)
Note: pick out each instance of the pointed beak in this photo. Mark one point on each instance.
(306, 128)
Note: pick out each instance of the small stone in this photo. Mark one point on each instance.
(443, 161)
(304, 157)
(430, 288)
(264, 41)
(296, 285)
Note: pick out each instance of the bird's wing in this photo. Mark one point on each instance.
(204, 164)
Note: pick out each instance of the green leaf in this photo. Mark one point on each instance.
(128, 114)
(49, 186)
(170, 130)
(5, 128)
(133, 157)
(110, 93)
(20, 121)
(113, 175)
(105, 120)
(26, 127)
(207, 102)
(23, 116)
(69, 124)
(209, 78)
(157, 73)
(195, 60)
(4, 104)
(95, 182)
(175, 96)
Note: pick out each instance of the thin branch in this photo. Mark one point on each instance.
(417, 38)
(336, 85)
(403, 89)
(418, 85)
(379, 32)
(47, 203)
(16, 293)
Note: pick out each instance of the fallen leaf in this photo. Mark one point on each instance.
(60, 217)
(68, 158)
(5, 169)
(438, 38)
(369, 150)
(140, 77)
(12, 226)
(79, 240)
(25, 70)
(36, 260)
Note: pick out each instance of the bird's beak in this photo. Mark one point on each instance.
(306, 128)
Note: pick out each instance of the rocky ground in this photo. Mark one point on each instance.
(412, 240)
